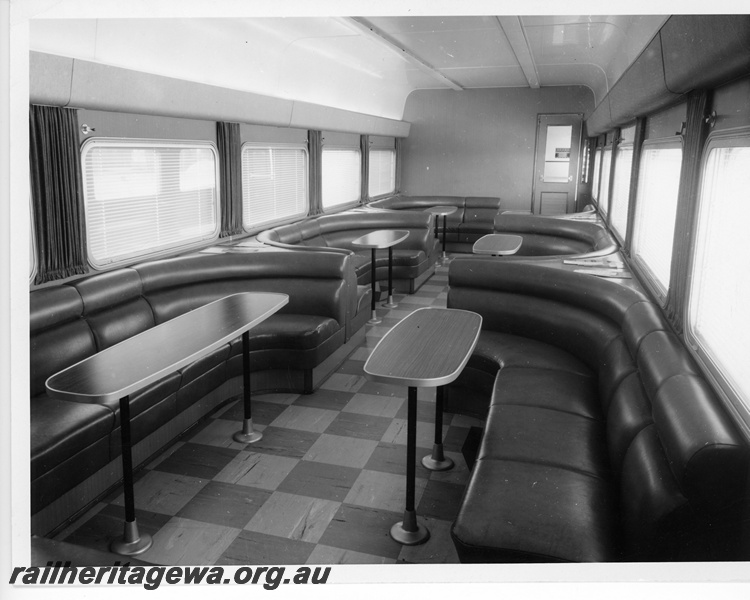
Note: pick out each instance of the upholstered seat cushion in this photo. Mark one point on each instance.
(550, 389)
(520, 511)
(496, 349)
(296, 332)
(60, 429)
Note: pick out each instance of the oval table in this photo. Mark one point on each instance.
(427, 348)
(375, 240)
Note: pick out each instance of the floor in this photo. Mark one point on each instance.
(323, 486)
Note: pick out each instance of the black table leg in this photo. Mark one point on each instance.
(248, 435)
(374, 320)
(437, 460)
(390, 303)
(408, 531)
(445, 233)
(131, 542)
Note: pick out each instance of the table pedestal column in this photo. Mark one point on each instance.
(374, 319)
(248, 435)
(408, 531)
(437, 461)
(131, 542)
(390, 303)
(444, 257)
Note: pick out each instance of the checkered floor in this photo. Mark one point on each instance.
(323, 486)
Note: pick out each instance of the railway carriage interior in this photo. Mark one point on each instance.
(578, 182)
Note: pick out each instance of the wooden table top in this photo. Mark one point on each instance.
(427, 348)
(382, 238)
(497, 243)
(442, 210)
(142, 359)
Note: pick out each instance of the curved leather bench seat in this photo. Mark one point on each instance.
(473, 219)
(549, 236)
(413, 259)
(73, 442)
(602, 441)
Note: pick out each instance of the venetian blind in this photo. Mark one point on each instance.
(143, 197)
(274, 184)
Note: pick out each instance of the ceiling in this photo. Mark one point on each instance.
(366, 65)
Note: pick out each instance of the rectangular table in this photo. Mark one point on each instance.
(497, 244)
(381, 238)
(428, 348)
(110, 376)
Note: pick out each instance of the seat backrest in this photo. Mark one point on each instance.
(60, 336)
(318, 283)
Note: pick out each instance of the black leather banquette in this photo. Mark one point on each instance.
(413, 259)
(473, 218)
(549, 236)
(602, 440)
(72, 441)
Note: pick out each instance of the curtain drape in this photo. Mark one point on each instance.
(230, 177)
(56, 193)
(696, 131)
(315, 152)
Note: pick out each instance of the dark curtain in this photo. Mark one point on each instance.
(56, 193)
(696, 131)
(364, 149)
(315, 152)
(399, 162)
(230, 177)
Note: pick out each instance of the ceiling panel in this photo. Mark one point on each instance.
(340, 62)
(481, 77)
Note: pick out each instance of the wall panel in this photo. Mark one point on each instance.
(480, 142)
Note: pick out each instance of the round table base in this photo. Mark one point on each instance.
(410, 538)
(248, 435)
(437, 465)
(390, 303)
(131, 543)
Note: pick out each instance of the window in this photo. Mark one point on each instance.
(604, 186)
(382, 173)
(597, 173)
(145, 197)
(341, 176)
(656, 210)
(618, 217)
(274, 184)
(718, 319)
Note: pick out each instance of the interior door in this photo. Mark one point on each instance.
(558, 145)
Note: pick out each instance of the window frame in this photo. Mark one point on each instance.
(596, 174)
(604, 207)
(729, 138)
(369, 162)
(343, 205)
(648, 278)
(621, 236)
(177, 248)
(288, 219)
